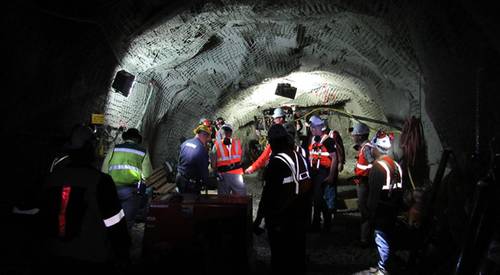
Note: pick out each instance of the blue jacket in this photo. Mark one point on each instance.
(193, 160)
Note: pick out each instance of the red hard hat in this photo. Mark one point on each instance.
(206, 122)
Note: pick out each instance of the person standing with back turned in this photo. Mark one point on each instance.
(129, 165)
(385, 199)
(261, 162)
(284, 203)
(364, 160)
(82, 219)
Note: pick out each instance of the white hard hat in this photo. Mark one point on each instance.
(227, 126)
(382, 141)
(278, 112)
(316, 121)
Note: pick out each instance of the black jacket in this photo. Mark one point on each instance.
(82, 217)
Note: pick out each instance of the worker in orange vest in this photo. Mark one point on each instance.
(226, 161)
(364, 160)
(385, 199)
(323, 161)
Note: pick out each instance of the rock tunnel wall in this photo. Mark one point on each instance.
(204, 61)
(61, 62)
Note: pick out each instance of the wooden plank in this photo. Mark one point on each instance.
(152, 180)
(168, 187)
(157, 175)
(159, 183)
(159, 171)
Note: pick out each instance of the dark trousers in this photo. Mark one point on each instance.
(288, 248)
(362, 189)
(145, 200)
(186, 185)
(130, 201)
(319, 203)
(260, 214)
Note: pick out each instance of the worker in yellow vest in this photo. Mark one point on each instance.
(129, 165)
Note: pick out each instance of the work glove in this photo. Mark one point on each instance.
(249, 170)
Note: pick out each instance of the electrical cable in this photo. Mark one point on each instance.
(354, 117)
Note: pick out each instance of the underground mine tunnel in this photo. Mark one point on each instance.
(426, 71)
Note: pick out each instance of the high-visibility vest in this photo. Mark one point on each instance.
(300, 174)
(125, 165)
(300, 151)
(319, 155)
(229, 156)
(362, 168)
(393, 173)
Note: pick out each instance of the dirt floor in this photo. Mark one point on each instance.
(333, 252)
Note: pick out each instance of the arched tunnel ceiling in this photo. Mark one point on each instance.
(215, 61)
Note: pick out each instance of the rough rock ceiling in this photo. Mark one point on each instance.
(216, 60)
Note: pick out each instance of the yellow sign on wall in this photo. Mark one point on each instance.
(97, 118)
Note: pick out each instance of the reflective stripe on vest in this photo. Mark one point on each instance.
(288, 179)
(56, 162)
(130, 150)
(300, 150)
(125, 165)
(294, 168)
(31, 211)
(388, 172)
(319, 155)
(362, 167)
(114, 219)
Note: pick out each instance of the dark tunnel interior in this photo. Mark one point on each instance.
(380, 62)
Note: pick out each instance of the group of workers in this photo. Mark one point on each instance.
(299, 193)
(214, 146)
(297, 180)
(378, 180)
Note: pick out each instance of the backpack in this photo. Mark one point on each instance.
(300, 173)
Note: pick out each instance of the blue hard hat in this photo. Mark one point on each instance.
(316, 121)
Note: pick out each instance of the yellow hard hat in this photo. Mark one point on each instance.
(202, 128)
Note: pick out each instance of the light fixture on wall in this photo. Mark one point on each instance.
(285, 90)
(123, 82)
